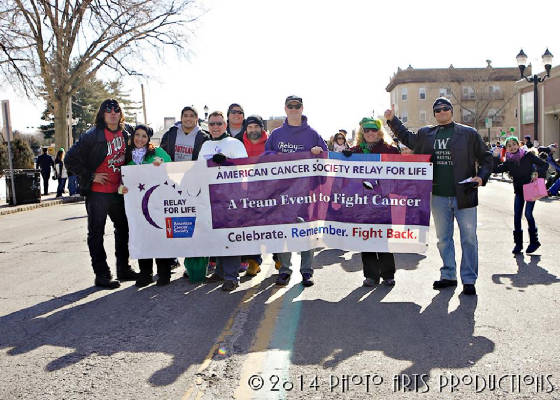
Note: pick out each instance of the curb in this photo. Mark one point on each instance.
(47, 203)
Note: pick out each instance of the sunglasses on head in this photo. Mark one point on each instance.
(236, 112)
(215, 123)
(112, 106)
(446, 108)
(369, 130)
(294, 106)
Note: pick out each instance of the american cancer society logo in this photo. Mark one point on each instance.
(179, 227)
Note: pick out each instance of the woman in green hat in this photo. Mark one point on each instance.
(372, 138)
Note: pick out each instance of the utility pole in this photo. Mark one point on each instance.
(8, 128)
(144, 104)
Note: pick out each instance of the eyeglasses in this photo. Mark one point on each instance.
(236, 112)
(215, 123)
(370, 130)
(110, 107)
(446, 108)
(294, 106)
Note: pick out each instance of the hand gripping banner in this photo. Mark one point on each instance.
(278, 203)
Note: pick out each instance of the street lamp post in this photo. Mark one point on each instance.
(535, 80)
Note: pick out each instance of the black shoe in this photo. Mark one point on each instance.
(388, 282)
(469, 289)
(228, 286)
(127, 274)
(106, 282)
(283, 279)
(307, 279)
(443, 283)
(144, 280)
(214, 278)
(163, 280)
(533, 246)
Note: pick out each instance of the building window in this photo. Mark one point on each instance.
(445, 92)
(467, 116)
(468, 93)
(422, 93)
(422, 116)
(404, 117)
(404, 94)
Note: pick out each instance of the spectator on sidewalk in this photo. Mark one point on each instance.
(458, 155)
(97, 158)
(45, 163)
(60, 172)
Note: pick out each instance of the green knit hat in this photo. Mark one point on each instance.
(371, 123)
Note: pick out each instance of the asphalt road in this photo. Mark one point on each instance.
(61, 338)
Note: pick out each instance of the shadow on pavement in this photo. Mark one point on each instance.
(184, 321)
(527, 274)
(326, 257)
(162, 320)
(330, 333)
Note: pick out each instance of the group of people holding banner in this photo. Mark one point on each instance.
(461, 160)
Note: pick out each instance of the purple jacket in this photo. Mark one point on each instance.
(292, 139)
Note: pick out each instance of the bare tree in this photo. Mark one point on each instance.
(51, 48)
(476, 93)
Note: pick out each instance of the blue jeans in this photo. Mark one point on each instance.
(228, 267)
(306, 265)
(72, 184)
(518, 204)
(60, 188)
(444, 211)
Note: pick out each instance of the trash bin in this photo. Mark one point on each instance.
(27, 183)
(197, 267)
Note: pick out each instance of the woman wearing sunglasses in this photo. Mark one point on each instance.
(372, 138)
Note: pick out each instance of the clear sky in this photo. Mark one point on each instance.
(338, 55)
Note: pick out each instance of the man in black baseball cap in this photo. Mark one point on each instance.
(456, 150)
(293, 98)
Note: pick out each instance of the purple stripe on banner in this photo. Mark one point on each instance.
(286, 201)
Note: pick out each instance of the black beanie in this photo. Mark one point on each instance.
(254, 119)
(442, 101)
(148, 130)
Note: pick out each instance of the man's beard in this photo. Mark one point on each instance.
(254, 135)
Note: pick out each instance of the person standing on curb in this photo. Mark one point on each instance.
(295, 135)
(97, 158)
(456, 150)
(45, 163)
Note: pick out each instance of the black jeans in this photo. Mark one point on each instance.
(99, 206)
(163, 266)
(46, 176)
(378, 265)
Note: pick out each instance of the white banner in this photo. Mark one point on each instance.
(278, 203)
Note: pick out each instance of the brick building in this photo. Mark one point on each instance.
(477, 94)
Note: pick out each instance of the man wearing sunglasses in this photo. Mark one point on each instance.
(236, 123)
(221, 146)
(295, 135)
(97, 158)
(456, 150)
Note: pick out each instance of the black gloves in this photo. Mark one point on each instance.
(219, 158)
(347, 153)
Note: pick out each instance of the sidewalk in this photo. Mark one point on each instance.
(47, 200)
